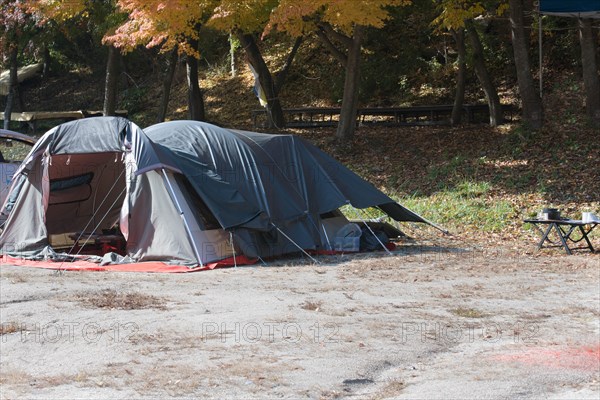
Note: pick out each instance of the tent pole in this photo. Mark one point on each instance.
(93, 217)
(327, 237)
(87, 239)
(296, 244)
(81, 247)
(371, 230)
(232, 249)
(182, 215)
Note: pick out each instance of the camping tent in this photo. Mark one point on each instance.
(184, 192)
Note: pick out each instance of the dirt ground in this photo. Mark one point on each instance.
(430, 321)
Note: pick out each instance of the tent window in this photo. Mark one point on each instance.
(71, 182)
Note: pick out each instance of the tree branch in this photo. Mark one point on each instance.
(328, 29)
(282, 73)
(337, 53)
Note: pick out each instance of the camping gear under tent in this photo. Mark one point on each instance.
(182, 192)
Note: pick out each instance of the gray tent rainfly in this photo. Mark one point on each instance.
(182, 192)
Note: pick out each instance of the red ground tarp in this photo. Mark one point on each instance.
(155, 266)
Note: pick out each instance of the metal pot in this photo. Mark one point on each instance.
(551, 213)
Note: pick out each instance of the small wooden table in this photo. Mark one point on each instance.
(564, 229)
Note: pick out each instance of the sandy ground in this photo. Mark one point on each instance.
(428, 322)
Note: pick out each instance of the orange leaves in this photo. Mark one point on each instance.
(154, 23)
(166, 23)
(247, 15)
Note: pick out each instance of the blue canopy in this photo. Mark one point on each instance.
(571, 8)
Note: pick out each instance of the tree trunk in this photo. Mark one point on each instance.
(167, 82)
(590, 69)
(195, 100)
(532, 104)
(232, 54)
(112, 81)
(275, 117)
(459, 97)
(491, 94)
(347, 125)
(13, 86)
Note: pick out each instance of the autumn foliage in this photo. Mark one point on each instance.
(156, 23)
(298, 17)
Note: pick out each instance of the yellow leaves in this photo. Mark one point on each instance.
(366, 13)
(247, 15)
(169, 23)
(296, 16)
(290, 16)
(57, 10)
(454, 13)
(503, 7)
